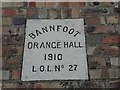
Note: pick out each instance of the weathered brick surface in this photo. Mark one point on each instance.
(43, 13)
(9, 12)
(114, 73)
(105, 29)
(15, 74)
(5, 74)
(0, 63)
(102, 32)
(40, 4)
(106, 50)
(111, 39)
(94, 39)
(19, 21)
(76, 13)
(17, 86)
(103, 20)
(14, 12)
(51, 4)
(53, 13)
(12, 30)
(115, 61)
(8, 39)
(32, 4)
(112, 19)
(32, 13)
(95, 73)
(12, 62)
(45, 86)
(77, 4)
(97, 62)
(14, 4)
(91, 20)
(6, 21)
(65, 13)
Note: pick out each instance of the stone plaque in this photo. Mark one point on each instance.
(54, 50)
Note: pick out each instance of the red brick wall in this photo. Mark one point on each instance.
(102, 32)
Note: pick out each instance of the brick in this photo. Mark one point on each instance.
(15, 74)
(107, 4)
(7, 4)
(43, 13)
(105, 73)
(32, 4)
(94, 39)
(104, 29)
(95, 74)
(90, 29)
(18, 50)
(63, 4)
(6, 21)
(106, 50)
(65, 13)
(22, 11)
(0, 63)
(3, 50)
(14, 4)
(12, 62)
(115, 61)
(77, 4)
(1, 29)
(118, 29)
(95, 3)
(101, 61)
(103, 20)
(23, 85)
(0, 40)
(9, 85)
(32, 13)
(49, 85)
(0, 51)
(91, 20)
(9, 12)
(14, 50)
(51, 4)
(90, 50)
(19, 21)
(40, 4)
(1, 12)
(20, 4)
(19, 40)
(1, 20)
(75, 13)
(7, 39)
(112, 19)
(17, 86)
(114, 73)
(111, 39)
(5, 74)
(53, 13)
(37, 85)
(96, 62)
(0, 86)
(116, 10)
(95, 11)
(115, 84)
(11, 30)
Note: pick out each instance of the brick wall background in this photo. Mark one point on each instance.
(102, 30)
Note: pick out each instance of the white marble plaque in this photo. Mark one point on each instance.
(54, 50)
